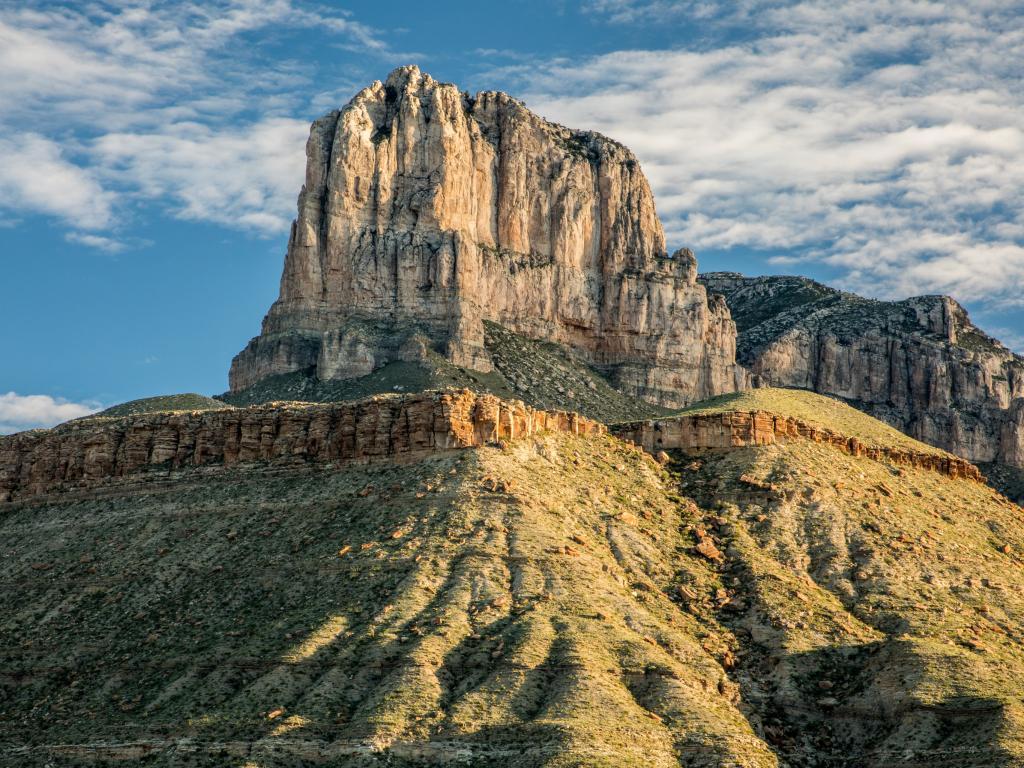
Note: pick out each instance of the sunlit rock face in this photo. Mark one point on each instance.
(426, 211)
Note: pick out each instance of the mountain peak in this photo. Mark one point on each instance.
(425, 213)
(919, 364)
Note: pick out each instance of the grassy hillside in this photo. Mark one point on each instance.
(509, 605)
(879, 609)
(556, 601)
(184, 402)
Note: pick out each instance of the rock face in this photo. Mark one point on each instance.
(426, 211)
(727, 431)
(918, 364)
(89, 453)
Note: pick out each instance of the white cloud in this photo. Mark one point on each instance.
(885, 137)
(120, 63)
(99, 242)
(657, 11)
(156, 76)
(35, 175)
(21, 412)
(247, 176)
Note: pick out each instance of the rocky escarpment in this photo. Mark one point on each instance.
(918, 364)
(542, 374)
(737, 429)
(426, 211)
(92, 452)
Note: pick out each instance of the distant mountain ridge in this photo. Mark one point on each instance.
(919, 364)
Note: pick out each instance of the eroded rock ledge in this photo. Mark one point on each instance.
(92, 452)
(724, 431)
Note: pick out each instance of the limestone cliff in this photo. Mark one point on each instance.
(918, 364)
(426, 211)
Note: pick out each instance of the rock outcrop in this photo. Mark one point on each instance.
(728, 431)
(89, 453)
(919, 364)
(426, 211)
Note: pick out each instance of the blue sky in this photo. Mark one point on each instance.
(151, 154)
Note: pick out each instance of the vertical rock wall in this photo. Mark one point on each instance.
(427, 210)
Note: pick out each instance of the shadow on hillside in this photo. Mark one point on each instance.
(879, 704)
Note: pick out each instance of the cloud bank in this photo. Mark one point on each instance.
(107, 103)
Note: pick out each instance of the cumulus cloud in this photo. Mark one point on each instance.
(659, 11)
(36, 175)
(89, 88)
(120, 64)
(247, 176)
(885, 138)
(21, 412)
(99, 242)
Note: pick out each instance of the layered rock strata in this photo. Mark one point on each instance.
(92, 452)
(426, 211)
(727, 431)
(920, 365)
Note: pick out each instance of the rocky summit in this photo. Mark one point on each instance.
(427, 211)
(919, 364)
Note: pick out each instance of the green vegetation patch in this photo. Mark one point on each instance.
(541, 374)
(185, 402)
(550, 376)
(753, 301)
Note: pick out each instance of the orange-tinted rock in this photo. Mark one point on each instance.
(426, 211)
(725, 431)
(91, 452)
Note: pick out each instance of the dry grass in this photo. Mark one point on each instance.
(507, 604)
(872, 589)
